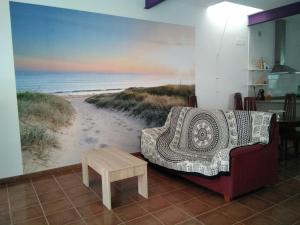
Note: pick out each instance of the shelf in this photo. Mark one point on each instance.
(262, 70)
(257, 84)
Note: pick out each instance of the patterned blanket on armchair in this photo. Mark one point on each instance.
(200, 141)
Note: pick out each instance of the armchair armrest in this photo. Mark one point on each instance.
(247, 149)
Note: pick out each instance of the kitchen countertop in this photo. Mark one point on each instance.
(274, 101)
(278, 99)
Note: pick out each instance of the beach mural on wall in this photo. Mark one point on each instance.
(87, 80)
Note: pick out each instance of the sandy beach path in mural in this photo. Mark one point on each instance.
(91, 128)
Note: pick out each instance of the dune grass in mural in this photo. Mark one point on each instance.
(40, 115)
(151, 104)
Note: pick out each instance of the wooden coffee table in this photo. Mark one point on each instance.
(113, 165)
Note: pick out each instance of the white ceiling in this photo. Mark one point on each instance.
(265, 4)
(262, 4)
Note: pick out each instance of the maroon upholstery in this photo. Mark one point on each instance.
(238, 101)
(192, 101)
(251, 167)
(249, 104)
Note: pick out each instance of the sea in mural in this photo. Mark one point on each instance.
(87, 80)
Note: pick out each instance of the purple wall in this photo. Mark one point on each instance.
(274, 14)
(151, 3)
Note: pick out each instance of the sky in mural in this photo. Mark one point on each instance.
(48, 39)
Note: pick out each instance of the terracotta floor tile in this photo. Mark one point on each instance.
(164, 189)
(47, 187)
(127, 184)
(289, 187)
(137, 197)
(282, 214)
(37, 221)
(3, 194)
(171, 215)
(43, 180)
(271, 195)
(58, 205)
(62, 172)
(255, 203)
(103, 219)
(194, 207)
(212, 199)
(23, 215)
(292, 204)
(161, 189)
(191, 222)
(121, 199)
(91, 209)
(236, 211)
(84, 199)
(145, 220)
(24, 201)
(260, 220)
(78, 222)
(130, 212)
(76, 191)
(63, 217)
(177, 196)
(21, 193)
(70, 183)
(154, 204)
(215, 218)
(194, 190)
(5, 218)
(4, 208)
(19, 187)
(66, 177)
(51, 196)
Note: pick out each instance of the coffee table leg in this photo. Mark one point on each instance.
(106, 193)
(85, 172)
(143, 184)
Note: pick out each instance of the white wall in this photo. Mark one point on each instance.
(10, 154)
(222, 59)
(262, 43)
(292, 42)
(217, 78)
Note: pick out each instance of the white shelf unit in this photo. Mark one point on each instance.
(269, 70)
(254, 75)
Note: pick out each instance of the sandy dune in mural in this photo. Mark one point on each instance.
(91, 128)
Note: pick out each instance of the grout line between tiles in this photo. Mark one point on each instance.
(101, 201)
(68, 198)
(9, 205)
(215, 208)
(262, 212)
(152, 213)
(36, 194)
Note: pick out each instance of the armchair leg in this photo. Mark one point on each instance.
(227, 198)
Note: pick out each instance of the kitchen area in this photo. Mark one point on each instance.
(274, 63)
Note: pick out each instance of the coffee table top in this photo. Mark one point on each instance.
(112, 159)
